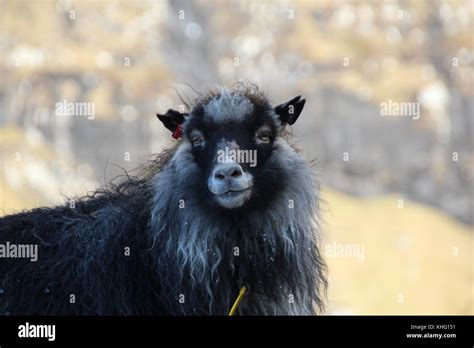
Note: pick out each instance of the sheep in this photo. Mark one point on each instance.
(231, 206)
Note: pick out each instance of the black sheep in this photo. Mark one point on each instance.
(231, 205)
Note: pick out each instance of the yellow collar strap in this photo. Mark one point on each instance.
(242, 292)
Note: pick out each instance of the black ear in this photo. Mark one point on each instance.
(172, 119)
(290, 111)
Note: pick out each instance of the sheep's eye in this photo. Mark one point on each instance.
(263, 137)
(197, 139)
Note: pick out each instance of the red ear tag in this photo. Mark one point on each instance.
(178, 132)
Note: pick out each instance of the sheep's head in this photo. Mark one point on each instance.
(233, 136)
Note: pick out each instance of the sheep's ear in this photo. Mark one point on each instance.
(290, 111)
(172, 119)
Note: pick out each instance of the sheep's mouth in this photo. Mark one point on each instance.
(234, 192)
(233, 198)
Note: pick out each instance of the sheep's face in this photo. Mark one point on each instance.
(232, 140)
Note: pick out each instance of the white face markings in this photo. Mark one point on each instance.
(228, 106)
(231, 176)
(229, 182)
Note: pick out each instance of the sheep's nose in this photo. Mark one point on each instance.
(227, 171)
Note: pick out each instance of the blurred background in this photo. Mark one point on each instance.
(397, 190)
